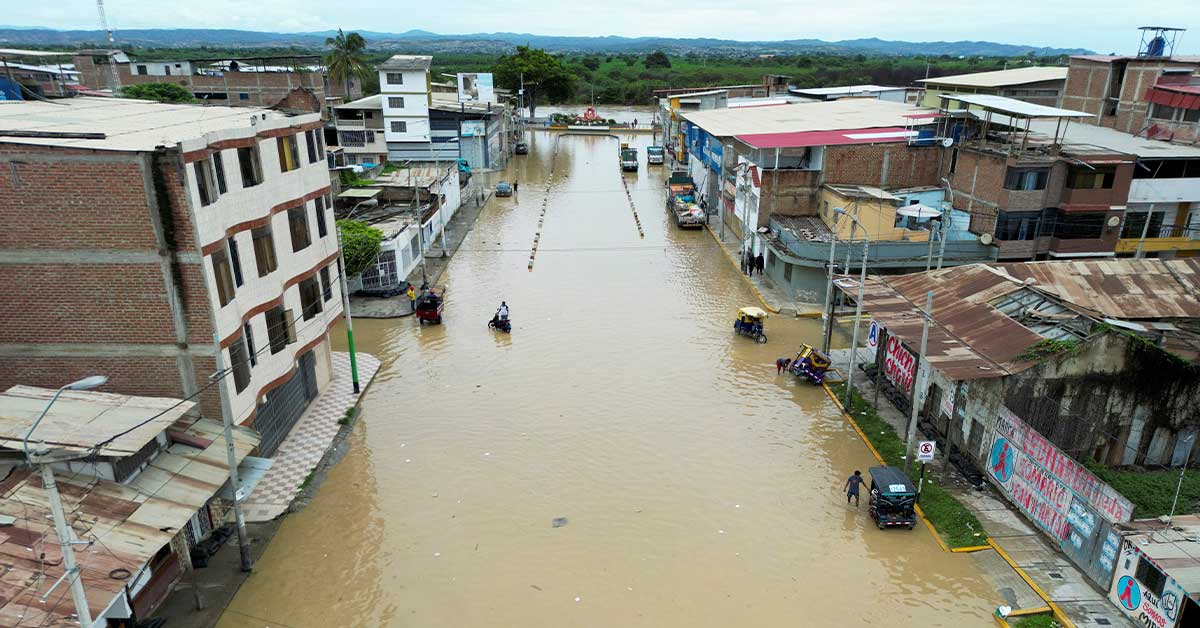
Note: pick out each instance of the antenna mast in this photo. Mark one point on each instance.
(112, 49)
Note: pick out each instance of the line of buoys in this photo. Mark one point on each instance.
(629, 197)
(537, 235)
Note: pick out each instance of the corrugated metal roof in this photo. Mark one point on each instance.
(1015, 107)
(130, 523)
(80, 420)
(1001, 78)
(986, 315)
(847, 113)
(828, 138)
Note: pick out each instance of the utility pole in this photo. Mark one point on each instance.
(862, 282)
(918, 382)
(1145, 232)
(420, 229)
(827, 328)
(947, 216)
(66, 541)
(231, 458)
(345, 285)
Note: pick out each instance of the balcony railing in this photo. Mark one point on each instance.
(881, 254)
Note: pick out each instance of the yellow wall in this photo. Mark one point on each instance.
(878, 217)
(1129, 245)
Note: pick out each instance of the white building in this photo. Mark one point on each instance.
(360, 133)
(404, 91)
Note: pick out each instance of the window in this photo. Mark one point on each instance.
(277, 329)
(310, 298)
(289, 153)
(396, 102)
(1026, 178)
(1162, 112)
(204, 182)
(249, 336)
(787, 273)
(251, 166)
(319, 203)
(298, 225)
(236, 262)
(1018, 225)
(1191, 115)
(264, 250)
(141, 69)
(224, 277)
(239, 363)
(1091, 179)
(1078, 226)
(395, 78)
(1150, 577)
(399, 127)
(316, 148)
(326, 286)
(243, 96)
(219, 167)
(1135, 223)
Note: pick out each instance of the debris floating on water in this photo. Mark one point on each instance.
(559, 522)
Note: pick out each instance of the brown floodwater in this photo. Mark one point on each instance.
(698, 488)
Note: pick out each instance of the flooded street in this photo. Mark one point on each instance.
(698, 488)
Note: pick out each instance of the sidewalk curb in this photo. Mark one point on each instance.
(770, 308)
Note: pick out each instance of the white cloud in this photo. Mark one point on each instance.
(1101, 25)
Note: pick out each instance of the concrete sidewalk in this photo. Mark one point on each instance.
(309, 439)
(1046, 567)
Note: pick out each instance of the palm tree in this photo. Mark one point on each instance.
(345, 59)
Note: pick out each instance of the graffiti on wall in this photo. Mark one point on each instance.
(1140, 603)
(899, 365)
(1056, 476)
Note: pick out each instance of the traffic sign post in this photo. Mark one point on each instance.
(925, 451)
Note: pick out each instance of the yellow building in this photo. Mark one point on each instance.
(876, 211)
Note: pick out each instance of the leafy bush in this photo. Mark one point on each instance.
(360, 245)
(1152, 491)
(958, 526)
(161, 92)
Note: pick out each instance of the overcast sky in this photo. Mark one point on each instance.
(1100, 25)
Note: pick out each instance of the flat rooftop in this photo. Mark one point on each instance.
(407, 62)
(844, 90)
(1014, 107)
(850, 113)
(124, 124)
(1117, 141)
(1001, 78)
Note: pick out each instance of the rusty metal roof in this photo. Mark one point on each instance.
(80, 420)
(1120, 288)
(970, 337)
(130, 522)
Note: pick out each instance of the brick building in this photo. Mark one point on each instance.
(1154, 94)
(244, 82)
(139, 238)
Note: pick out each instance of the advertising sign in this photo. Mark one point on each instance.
(873, 335)
(472, 128)
(899, 365)
(1139, 601)
(475, 88)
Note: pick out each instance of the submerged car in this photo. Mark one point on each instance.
(521, 148)
(503, 188)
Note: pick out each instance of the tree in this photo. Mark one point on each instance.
(162, 92)
(591, 63)
(345, 59)
(544, 76)
(360, 245)
(657, 59)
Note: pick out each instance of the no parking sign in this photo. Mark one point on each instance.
(925, 450)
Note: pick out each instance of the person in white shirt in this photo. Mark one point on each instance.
(503, 311)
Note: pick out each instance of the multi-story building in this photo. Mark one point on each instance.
(140, 239)
(359, 131)
(288, 82)
(405, 95)
(1153, 94)
(1037, 85)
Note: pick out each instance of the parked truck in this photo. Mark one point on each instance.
(629, 160)
(682, 201)
(654, 155)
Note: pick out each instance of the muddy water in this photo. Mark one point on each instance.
(698, 488)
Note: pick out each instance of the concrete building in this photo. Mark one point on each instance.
(1157, 578)
(1149, 96)
(269, 81)
(405, 94)
(147, 501)
(47, 81)
(1035, 368)
(139, 239)
(910, 95)
(359, 132)
(1037, 85)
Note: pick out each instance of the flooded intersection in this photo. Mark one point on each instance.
(697, 487)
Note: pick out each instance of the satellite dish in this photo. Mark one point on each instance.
(985, 239)
(947, 142)
(1114, 221)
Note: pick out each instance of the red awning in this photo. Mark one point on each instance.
(828, 138)
(1182, 96)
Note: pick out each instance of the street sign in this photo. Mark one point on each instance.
(873, 335)
(925, 450)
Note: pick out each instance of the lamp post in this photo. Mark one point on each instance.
(862, 280)
(65, 534)
(947, 215)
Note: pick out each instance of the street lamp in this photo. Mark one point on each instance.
(859, 305)
(66, 539)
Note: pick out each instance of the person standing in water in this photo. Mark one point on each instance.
(851, 488)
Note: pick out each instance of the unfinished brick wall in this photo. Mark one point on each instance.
(788, 193)
(882, 165)
(978, 184)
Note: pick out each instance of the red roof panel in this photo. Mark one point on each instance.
(828, 138)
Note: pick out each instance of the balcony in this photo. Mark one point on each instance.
(799, 239)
